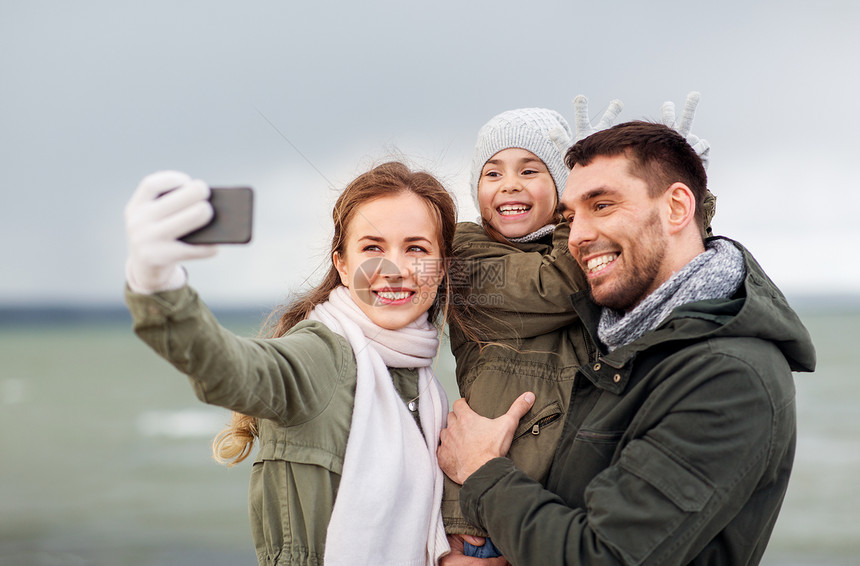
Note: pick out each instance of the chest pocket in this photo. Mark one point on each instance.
(316, 443)
(589, 452)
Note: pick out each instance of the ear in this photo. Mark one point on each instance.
(340, 265)
(681, 207)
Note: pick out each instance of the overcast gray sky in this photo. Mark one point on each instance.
(296, 98)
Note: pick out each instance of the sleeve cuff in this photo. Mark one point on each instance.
(478, 484)
(178, 279)
(146, 308)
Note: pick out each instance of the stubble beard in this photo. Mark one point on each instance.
(642, 258)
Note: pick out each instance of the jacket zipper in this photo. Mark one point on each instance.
(543, 422)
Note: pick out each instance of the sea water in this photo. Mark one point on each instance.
(105, 453)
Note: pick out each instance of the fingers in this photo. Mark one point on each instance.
(156, 184)
(521, 406)
(188, 195)
(183, 218)
(160, 254)
(610, 115)
(174, 251)
(668, 113)
(581, 120)
(701, 147)
(689, 113)
(148, 228)
(164, 193)
(460, 408)
(154, 216)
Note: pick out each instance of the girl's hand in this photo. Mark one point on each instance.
(457, 558)
(702, 147)
(154, 221)
(583, 120)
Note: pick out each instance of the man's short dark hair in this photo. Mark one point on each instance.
(658, 155)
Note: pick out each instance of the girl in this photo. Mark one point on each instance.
(341, 397)
(519, 275)
(518, 173)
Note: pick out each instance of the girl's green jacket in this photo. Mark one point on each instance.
(534, 342)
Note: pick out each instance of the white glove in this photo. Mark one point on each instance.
(583, 122)
(702, 147)
(154, 222)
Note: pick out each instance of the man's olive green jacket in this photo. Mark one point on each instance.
(676, 448)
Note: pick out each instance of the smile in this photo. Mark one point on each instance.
(599, 263)
(513, 209)
(393, 297)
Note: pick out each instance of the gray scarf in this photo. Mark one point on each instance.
(534, 236)
(716, 273)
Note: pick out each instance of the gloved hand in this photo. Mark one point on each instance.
(154, 222)
(583, 122)
(702, 147)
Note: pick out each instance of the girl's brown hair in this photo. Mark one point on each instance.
(235, 442)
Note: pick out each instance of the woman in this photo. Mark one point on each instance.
(341, 396)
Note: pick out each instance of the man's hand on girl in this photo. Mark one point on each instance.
(470, 441)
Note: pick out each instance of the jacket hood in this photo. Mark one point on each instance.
(757, 310)
(766, 314)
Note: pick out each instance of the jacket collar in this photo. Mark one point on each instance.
(608, 371)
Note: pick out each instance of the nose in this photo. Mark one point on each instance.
(511, 185)
(582, 233)
(399, 266)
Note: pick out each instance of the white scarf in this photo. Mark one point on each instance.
(388, 506)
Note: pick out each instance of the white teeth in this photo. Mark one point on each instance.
(507, 209)
(599, 262)
(393, 295)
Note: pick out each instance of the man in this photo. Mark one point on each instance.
(679, 439)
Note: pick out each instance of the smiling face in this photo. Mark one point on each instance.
(516, 193)
(617, 232)
(391, 259)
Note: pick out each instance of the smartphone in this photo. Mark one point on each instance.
(233, 219)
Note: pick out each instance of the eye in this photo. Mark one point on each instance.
(371, 248)
(530, 172)
(417, 249)
(492, 174)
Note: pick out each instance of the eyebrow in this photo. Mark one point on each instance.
(585, 197)
(373, 238)
(533, 159)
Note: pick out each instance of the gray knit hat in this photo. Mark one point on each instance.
(538, 130)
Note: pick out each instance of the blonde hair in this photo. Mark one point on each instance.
(235, 443)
